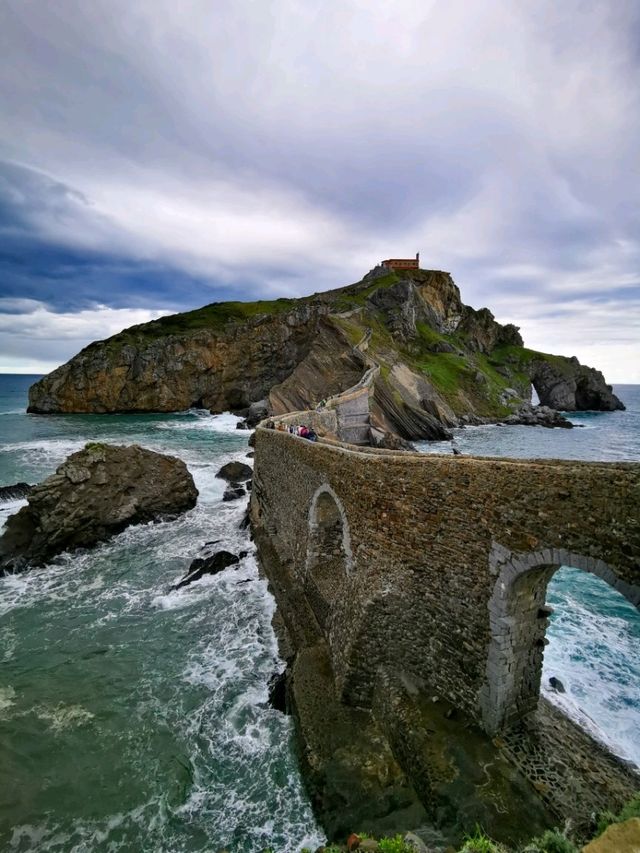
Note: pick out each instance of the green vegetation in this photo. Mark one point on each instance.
(396, 844)
(553, 841)
(347, 298)
(352, 328)
(480, 843)
(632, 809)
(429, 336)
(95, 445)
(445, 369)
(213, 316)
(521, 358)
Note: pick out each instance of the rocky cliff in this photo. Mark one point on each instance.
(441, 362)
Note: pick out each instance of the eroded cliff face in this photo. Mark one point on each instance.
(440, 362)
(145, 369)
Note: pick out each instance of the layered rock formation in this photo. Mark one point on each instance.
(95, 493)
(441, 363)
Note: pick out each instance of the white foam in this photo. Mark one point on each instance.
(63, 717)
(198, 420)
(7, 696)
(594, 651)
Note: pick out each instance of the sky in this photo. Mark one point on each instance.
(157, 155)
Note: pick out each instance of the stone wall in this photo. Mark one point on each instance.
(438, 566)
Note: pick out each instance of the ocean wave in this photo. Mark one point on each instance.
(225, 422)
(63, 717)
(176, 681)
(594, 651)
(7, 697)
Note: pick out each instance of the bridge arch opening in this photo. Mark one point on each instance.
(519, 618)
(328, 554)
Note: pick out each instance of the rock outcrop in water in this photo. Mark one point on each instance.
(441, 363)
(15, 492)
(94, 494)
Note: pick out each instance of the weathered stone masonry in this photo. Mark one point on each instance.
(438, 566)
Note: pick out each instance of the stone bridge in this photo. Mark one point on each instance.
(436, 567)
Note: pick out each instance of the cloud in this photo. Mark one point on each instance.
(157, 156)
(35, 339)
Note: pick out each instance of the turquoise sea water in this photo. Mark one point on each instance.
(133, 718)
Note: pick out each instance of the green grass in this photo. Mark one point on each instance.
(445, 369)
(553, 841)
(354, 330)
(346, 300)
(214, 317)
(429, 336)
(395, 844)
(522, 357)
(632, 809)
(479, 843)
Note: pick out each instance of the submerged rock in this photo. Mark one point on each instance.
(15, 492)
(94, 494)
(208, 566)
(234, 492)
(235, 472)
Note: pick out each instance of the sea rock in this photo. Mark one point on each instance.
(15, 492)
(234, 492)
(94, 494)
(388, 440)
(556, 684)
(528, 415)
(567, 385)
(257, 412)
(235, 472)
(618, 838)
(417, 844)
(207, 566)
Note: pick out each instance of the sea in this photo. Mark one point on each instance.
(136, 718)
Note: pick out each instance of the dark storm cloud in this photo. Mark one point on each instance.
(160, 155)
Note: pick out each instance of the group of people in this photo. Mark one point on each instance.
(302, 431)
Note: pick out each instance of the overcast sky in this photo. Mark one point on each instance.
(157, 155)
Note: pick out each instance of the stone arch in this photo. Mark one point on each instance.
(519, 617)
(329, 557)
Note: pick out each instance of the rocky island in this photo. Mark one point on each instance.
(434, 362)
